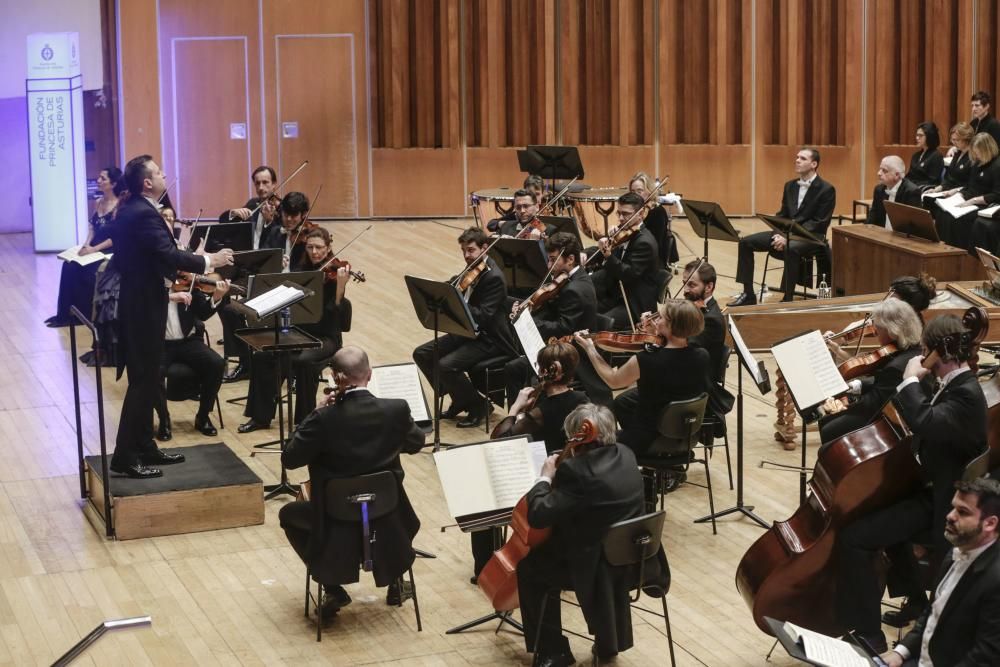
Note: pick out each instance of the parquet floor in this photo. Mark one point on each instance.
(234, 597)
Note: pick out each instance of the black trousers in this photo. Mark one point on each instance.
(195, 365)
(859, 593)
(541, 571)
(76, 288)
(457, 356)
(135, 426)
(484, 543)
(761, 242)
(983, 233)
(295, 518)
(233, 320)
(305, 368)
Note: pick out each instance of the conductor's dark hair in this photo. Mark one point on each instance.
(630, 199)
(136, 172)
(526, 193)
(982, 97)
(566, 242)
(264, 167)
(295, 203)
(933, 136)
(474, 235)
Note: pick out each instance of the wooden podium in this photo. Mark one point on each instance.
(866, 258)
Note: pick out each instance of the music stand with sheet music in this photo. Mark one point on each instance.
(551, 162)
(796, 651)
(911, 221)
(792, 231)
(279, 341)
(308, 310)
(247, 263)
(760, 377)
(709, 221)
(523, 262)
(232, 235)
(441, 308)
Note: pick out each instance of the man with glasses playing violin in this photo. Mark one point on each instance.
(525, 210)
(487, 299)
(629, 267)
(949, 430)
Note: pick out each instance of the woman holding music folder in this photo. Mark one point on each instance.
(983, 190)
(336, 319)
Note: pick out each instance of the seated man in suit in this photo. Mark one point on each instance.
(525, 210)
(579, 498)
(809, 201)
(892, 186)
(962, 624)
(186, 311)
(357, 434)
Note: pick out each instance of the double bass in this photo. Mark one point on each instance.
(788, 573)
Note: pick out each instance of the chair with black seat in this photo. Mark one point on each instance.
(360, 500)
(629, 546)
(181, 381)
(488, 377)
(714, 425)
(663, 278)
(679, 429)
(812, 265)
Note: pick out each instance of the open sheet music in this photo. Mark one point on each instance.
(73, 255)
(488, 477)
(809, 371)
(953, 205)
(989, 211)
(531, 340)
(824, 650)
(274, 300)
(401, 381)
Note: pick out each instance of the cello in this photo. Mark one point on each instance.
(788, 572)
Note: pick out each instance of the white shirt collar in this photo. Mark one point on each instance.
(809, 181)
(157, 205)
(954, 374)
(971, 555)
(894, 189)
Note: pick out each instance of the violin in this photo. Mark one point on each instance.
(541, 296)
(854, 331)
(473, 272)
(625, 231)
(498, 579)
(613, 341)
(532, 225)
(866, 364)
(332, 265)
(531, 419)
(185, 282)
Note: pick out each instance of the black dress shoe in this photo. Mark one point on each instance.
(205, 425)
(160, 457)
(393, 597)
(137, 471)
(237, 374)
(673, 480)
(474, 418)
(564, 659)
(909, 612)
(743, 300)
(251, 426)
(55, 321)
(452, 412)
(164, 433)
(87, 357)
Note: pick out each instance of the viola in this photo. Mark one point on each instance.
(472, 273)
(866, 364)
(534, 224)
(332, 265)
(613, 341)
(203, 283)
(854, 331)
(541, 296)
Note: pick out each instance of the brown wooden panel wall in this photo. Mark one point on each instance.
(705, 72)
(987, 50)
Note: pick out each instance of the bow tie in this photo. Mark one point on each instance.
(805, 183)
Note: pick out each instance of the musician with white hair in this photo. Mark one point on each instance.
(892, 186)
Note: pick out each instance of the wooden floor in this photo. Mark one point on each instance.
(235, 596)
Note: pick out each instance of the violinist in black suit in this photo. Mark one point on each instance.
(927, 164)
(573, 308)
(579, 498)
(949, 430)
(962, 624)
(631, 267)
(893, 186)
(148, 259)
(657, 220)
(809, 201)
(487, 299)
(185, 346)
(260, 210)
(357, 434)
(525, 208)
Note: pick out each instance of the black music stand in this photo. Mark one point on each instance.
(248, 263)
(551, 162)
(792, 231)
(440, 307)
(232, 235)
(912, 221)
(561, 223)
(709, 221)
(796, 651)
(764, 386)
(523, 262)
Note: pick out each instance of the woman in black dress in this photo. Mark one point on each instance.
(927, 164)
(959, 162)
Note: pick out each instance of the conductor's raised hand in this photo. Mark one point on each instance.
(223, 257)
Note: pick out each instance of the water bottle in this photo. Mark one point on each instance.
(824, 291)
(763, 293)
(286, 320)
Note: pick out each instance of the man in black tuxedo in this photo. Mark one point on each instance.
(893, 186)
(962, 624)
(809, 201)
(579, 500)
(949, 430)
(572, 309)
(525, 208)
(356, 435)
(185, 346)
(487, 299)
(264, 181)
(148, 259)
(632, 267)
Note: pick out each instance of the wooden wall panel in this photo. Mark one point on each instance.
(140, 89)
(987, 53)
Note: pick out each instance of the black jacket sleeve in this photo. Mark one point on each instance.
(549, 504)
(306, 443)
(566, 312)
(641, 257)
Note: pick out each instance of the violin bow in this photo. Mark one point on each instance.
(305, 218)
(458, 278)
(868, 318)
(652, 193)
(558, 196)
(345, 246)
(701, 262)
(525, 305)
(280, 185)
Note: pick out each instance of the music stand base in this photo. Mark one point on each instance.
(266, 448)
(745, 510)
(284, 488)
(423, 554)
(502, 616)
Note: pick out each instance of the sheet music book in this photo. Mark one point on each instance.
(953, 205)
(488, 476)
(73, 255)
(401, 381)
(274, 300)
(531, 340)
(933, 195)
(809, 371)
(989, 211)
(824, 650)
(746, 355)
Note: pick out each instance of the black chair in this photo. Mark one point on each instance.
(628, 545)
(679, 428)
(663, 278)
(359, 500)
(815, 264)
(714, 425)
(181, 382)
(488, 377)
